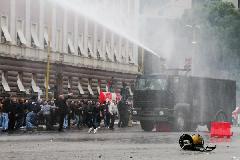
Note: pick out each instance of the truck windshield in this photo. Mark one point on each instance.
(151, 84)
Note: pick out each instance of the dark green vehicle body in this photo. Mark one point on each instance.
(182, 101)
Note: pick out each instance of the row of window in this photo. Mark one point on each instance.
(109, 53)
(37, 89)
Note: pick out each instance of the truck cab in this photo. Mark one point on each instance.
(183, 102)
(153, 100)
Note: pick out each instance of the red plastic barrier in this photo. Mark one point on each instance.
(163, 127)
(221, 129)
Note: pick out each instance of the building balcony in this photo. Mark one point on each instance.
(41, 55)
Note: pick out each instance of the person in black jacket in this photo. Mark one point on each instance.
(20, 113)
(98, 115)
(70, 113)
(123, 113)
(91, 110)
(61, 103)
(106, 115)
(78, 114)
(12, 110)
(85, 113)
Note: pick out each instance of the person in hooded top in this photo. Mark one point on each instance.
(61, 103)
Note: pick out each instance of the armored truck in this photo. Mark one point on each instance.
(181, 101)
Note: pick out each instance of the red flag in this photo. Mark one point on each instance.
(101, 98)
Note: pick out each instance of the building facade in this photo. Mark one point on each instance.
(85, 56)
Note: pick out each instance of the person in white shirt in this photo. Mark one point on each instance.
(113, 110)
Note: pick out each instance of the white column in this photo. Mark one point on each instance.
(28, 23)
(104, 43)
(65, 34)
(85, 38)
(41, 22)
(127, 51)
(128, 8)
(75, 34)
(135, 54)
(112, 46)
(53, 27)
(136, 20)
(12, 20)
(120, 49)
(137, 17)
(95, 39)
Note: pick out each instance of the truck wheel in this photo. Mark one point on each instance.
(181, 123)
(147, 125)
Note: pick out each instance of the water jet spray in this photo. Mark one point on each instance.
(91, 13)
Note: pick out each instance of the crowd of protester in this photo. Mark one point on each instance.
(28, 114)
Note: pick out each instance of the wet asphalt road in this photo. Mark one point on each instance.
(120, 144)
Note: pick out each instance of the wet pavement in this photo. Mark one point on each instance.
(120, 144)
